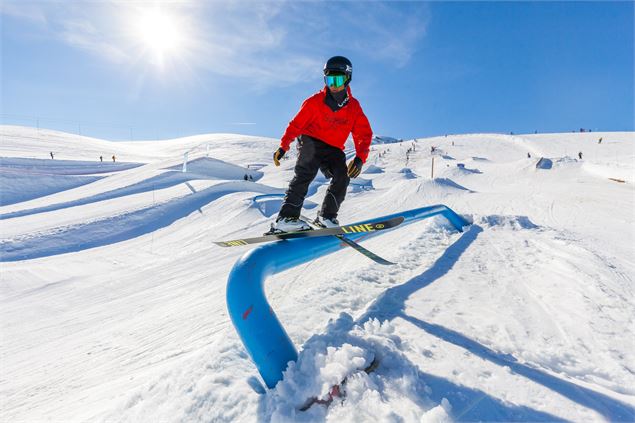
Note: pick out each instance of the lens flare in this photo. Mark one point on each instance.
(160, 33)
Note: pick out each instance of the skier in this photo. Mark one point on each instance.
(113, 158)
(580, 155)
(322, 126)
(101, 158)
(52, 156)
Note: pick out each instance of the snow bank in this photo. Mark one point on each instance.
(207, 167)
(372, 169)
(408, 173)
(611, 171)
(383, 139)
(25, 179)
(18, 188)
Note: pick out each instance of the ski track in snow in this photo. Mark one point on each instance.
(113, 298)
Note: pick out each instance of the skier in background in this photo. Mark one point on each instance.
(322, 126)
(52, 157)
(113, 158)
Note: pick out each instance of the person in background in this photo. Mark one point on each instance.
(113, 158)
(322, 126)
(52, 157)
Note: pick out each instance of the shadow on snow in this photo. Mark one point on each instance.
(119, 228)
(165, 180)
(469, 404)
(391, 304)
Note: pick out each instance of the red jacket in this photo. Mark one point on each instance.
(317, 120)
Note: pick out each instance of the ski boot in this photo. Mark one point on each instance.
(326, 222)
(288, 224)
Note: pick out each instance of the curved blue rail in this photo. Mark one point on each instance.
(258, 327)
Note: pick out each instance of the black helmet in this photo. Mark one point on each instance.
(339, 64)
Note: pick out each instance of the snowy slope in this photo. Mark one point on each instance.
(112, 296)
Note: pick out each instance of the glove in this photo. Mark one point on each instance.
(277, 155)
(355, 167)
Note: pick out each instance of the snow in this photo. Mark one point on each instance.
(112, 295)
(18, 184)
(383, 139)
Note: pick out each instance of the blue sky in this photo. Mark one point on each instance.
(143, 70)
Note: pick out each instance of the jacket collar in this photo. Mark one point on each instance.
(326, 91)
(330, 101)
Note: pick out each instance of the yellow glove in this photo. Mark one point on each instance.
(277, 155)
(355, 167)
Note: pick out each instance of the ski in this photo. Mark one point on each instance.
(340, 230)
(353, 244)
(336, 390)
(364, 251)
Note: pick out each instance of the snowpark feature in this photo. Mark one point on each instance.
(253, 317)
(526, 316)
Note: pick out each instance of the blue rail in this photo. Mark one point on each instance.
(255, 321)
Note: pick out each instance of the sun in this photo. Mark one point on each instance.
(159, 32)
(163, 39)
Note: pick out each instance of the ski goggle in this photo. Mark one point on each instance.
(335, 80)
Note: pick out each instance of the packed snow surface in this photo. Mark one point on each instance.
(112, 294)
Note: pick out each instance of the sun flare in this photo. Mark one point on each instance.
(159, 32)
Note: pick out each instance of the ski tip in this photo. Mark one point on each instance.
(372, 366)
(336, 390)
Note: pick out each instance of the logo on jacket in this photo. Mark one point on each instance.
(336, 120)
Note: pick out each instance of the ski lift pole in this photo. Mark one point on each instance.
(432, 172)
(185, 161)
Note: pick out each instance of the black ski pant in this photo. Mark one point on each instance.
(315, 155)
